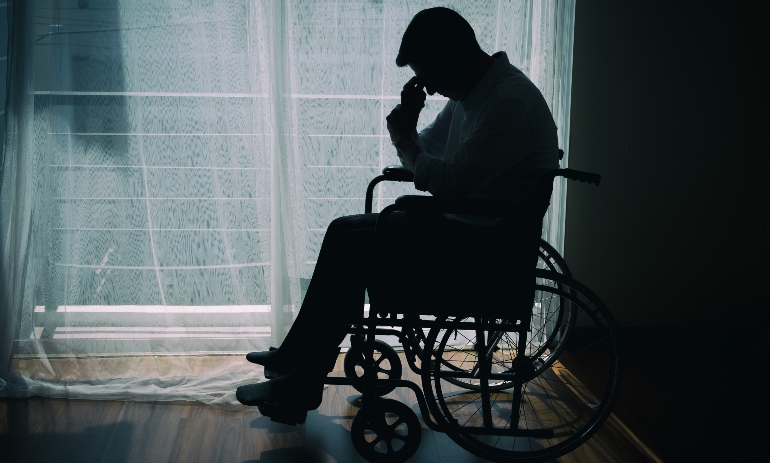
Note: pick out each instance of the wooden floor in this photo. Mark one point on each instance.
(672, 408)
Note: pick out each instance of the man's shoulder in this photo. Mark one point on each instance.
(514, 88)
(514, 84)
(510, 77)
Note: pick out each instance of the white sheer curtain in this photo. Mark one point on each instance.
(171, 167)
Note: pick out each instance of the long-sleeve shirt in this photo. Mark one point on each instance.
(496, 143)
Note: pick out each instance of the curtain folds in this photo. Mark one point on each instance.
(169, 171)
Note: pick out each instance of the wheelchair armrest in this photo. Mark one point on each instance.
(390, 174)
(485, 207)
(398, 174)
(466, 206)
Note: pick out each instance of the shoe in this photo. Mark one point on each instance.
(269, 359)
(285, 400)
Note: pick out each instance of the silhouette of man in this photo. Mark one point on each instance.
(494, 138)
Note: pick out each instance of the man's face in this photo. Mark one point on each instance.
(436, 81)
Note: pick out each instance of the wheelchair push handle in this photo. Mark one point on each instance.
(580, 176)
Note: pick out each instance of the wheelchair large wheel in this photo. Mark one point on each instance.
(544, 413)
(551, 324)
(550, 259)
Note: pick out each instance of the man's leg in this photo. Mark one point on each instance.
(335, 294)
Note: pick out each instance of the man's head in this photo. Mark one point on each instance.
(439, 45)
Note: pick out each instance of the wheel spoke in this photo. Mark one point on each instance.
(472, 415)
(395, 425)
(390, 446)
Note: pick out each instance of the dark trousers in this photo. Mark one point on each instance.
(335, 293)
(336, 290)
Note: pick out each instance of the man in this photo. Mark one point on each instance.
(495, 138)
(496, 118)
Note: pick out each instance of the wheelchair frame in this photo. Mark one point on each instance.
(519, 370)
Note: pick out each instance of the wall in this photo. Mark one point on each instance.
(4, 10)
(665, 107)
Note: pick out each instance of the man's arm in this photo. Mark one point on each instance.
(402, 122)
(432, 139)
(503, 137)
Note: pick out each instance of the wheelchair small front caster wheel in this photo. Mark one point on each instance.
(385, 361)
(386, 431)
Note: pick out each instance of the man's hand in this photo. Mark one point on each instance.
(413, 95)
(402, 120)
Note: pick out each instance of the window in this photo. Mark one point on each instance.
(189, 156)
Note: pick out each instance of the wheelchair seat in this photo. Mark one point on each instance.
(464, 269)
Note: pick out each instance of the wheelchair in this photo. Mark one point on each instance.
(528, 379)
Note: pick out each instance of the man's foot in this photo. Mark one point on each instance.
(275, 366)
(286, 399)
